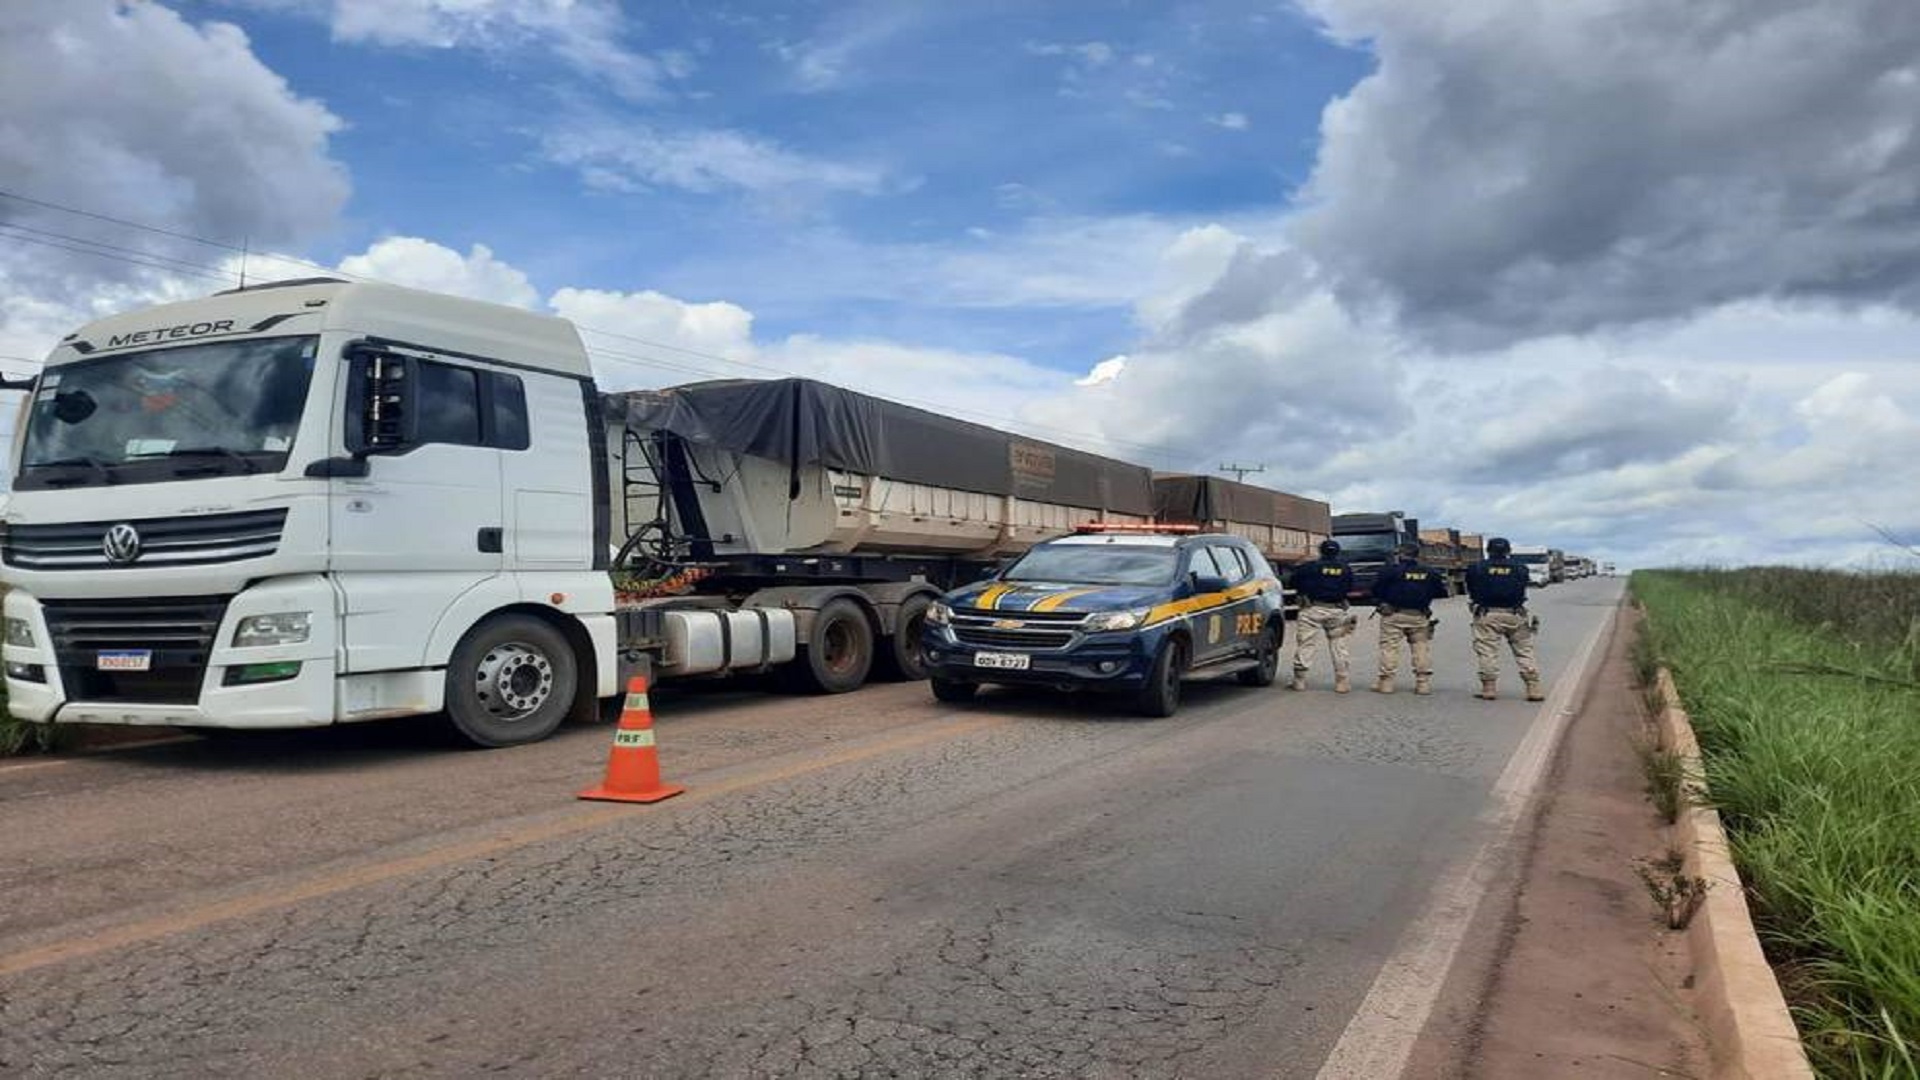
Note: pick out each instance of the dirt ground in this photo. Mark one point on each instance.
(1586, 981)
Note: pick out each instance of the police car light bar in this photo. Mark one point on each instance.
(1131, 527)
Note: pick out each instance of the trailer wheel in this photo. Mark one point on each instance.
(511, 680)
(903, 657)
(839, 651)
(1161, 696)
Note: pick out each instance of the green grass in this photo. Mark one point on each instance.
(1804, 688)
(21, 738)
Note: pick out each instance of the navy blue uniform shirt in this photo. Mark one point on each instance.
(1497, 583)
(1410, 586)
(1325, 580)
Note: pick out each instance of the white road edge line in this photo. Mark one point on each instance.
(1378, 1042)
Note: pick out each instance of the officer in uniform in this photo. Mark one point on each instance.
(1404, 594)
(1323, 585)
(1497, 586)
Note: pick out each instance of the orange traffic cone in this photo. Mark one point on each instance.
(633, 767)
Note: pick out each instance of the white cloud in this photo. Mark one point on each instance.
(131, 111)
(1515, 168)
(1103, 372)
(587, 35)
(423, 264)
(674, 333)
(632, 157)
(1093, 54)
(1232, 121)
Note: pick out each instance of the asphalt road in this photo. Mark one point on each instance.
(862, 885)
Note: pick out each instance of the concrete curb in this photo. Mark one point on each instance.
(1750, 1033)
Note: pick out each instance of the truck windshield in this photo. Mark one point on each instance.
(1367, 545)
(192, 410)
(1531, 560)
(1067, 564)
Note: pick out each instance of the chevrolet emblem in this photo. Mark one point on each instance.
(1007, 624)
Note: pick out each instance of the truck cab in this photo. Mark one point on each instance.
(1127, 610)
(310, 503)
(1368, 542)
(1539, 564)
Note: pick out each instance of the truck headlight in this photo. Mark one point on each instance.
(284, 628)
(19, 632)
(939, 614)
(1114, 620)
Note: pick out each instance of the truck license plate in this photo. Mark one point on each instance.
(126, 660)
(1005, 661)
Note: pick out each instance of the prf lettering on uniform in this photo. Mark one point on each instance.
(1415, 575)
(168, 333)
(1501, 570)
(1335, 571)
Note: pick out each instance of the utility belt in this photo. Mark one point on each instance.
(1340, 603)
(1390, 609)
(1482, 609)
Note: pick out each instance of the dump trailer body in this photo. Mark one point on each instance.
(797, 467)
(1450, 551)
(1286, 528)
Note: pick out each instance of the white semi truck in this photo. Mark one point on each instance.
(322, 502)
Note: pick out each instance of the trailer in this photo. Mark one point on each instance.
(1286, 528)
(322, 502)
(1451, 552)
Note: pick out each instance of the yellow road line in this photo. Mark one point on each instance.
(584, 820)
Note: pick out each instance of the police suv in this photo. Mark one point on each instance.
(1134, 609)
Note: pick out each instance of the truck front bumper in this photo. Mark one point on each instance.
(262, 686)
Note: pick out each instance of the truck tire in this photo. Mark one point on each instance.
(511, 680)
(1269, 653)
(902, 658)
(839, 650)
(1161, 696)
(953, 693)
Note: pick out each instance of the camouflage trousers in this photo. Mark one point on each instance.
(1322, 622)
(1489, 627)
(1413, 628)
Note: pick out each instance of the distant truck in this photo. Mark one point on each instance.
(1556, 565)
(1452, 552)
(1287, 529)
(322, 502)
(1367, 542)
(1539, 564)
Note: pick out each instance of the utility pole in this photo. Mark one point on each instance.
(1240, 471)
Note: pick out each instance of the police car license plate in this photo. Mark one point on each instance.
(1005, 661)
(125, 660)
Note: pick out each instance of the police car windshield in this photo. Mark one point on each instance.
(211, 408)
(1106, 564)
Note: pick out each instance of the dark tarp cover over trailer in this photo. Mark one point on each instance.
(1212, 500)
(802, 422)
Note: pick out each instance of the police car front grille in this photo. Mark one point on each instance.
(1016, 630)
(178, 541)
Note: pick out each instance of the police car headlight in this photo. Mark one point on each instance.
(284, 628)
(1114, 620)
(19, 632)
(939, 614)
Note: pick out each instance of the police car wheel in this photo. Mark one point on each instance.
(1161, 696)
(953, 693)
(1269, 666)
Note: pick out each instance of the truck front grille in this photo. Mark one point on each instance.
(175, 541)
(1021, 630)
(179, 632)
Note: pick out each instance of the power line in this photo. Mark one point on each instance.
(139, 259)
(112, 248)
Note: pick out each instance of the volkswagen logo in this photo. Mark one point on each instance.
(121, 544)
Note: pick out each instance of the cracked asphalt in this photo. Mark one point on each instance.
(867, 885)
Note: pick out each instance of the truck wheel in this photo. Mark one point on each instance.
(511, 680)
(1161, 696)
(903, 657)
(954, 693)
(1269, 654)
(839, 652)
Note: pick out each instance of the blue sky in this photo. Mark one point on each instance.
(1630, 277)
(956, 119)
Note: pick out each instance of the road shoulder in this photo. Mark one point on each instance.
(1583, 978)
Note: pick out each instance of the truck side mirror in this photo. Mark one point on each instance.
(380, 391)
